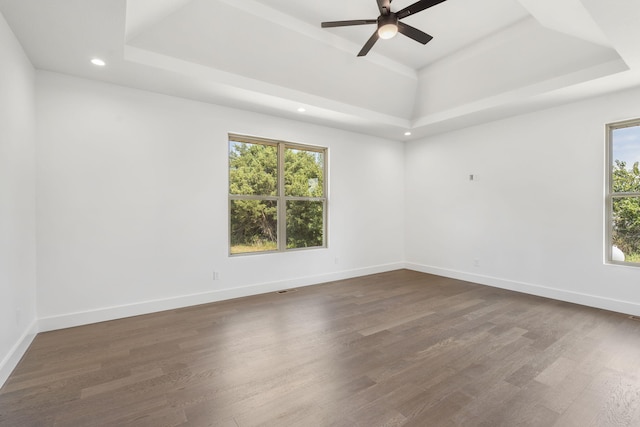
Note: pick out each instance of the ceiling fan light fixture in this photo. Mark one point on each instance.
(388, 31)
(389, 23)
(387, 26)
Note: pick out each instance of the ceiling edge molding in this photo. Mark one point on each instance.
(489, 42)
(221, 84)
(317, 33)
(523, 94)
(569, 17)
(620, 21)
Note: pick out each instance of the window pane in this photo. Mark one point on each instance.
(626, 156)
(303, 173)
(305, 223)
(626, 227)
(253, 169)
(253, 226)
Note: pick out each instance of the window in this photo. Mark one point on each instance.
(277, 195)
(623, 219)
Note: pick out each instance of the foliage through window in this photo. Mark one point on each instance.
(277, 195)
(624, 192)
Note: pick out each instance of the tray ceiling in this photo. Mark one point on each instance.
(488, 59)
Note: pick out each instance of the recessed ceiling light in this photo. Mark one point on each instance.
(301, 110)
(407, 134)
(98, 62)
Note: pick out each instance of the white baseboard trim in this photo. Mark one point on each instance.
(532, 289)
(11, 360)
(145, 307)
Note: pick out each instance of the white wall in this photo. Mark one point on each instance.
(132, 214)
(534, 219)
(17, 202)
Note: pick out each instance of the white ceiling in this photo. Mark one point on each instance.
(488, 59)
(473, 20)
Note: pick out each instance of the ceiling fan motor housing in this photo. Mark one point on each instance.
(391, 18)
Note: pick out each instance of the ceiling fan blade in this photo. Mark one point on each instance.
(384, 6)
(348, 23)
(369, 44)
(414, 33)
(417, 7)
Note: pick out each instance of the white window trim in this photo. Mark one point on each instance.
(610, 195)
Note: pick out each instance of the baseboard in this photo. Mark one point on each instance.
(153, 306)
(532, 289)
(10, 362)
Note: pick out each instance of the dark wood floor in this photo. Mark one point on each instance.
(393, 349)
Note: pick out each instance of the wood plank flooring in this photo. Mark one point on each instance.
(394, 349)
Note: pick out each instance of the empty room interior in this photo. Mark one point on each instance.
(319, 213)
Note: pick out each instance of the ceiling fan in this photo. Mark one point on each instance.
(389, 23)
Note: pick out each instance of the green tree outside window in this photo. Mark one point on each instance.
(277, 197)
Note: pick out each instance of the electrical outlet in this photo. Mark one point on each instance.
(336, 260)
(216, 275)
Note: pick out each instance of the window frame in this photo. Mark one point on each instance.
(280, 198)
(610, 195)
